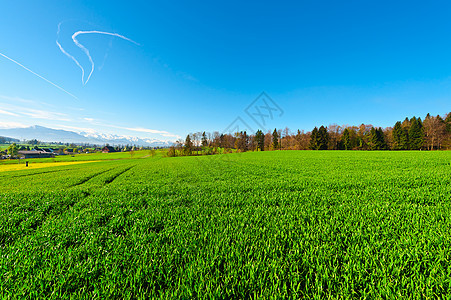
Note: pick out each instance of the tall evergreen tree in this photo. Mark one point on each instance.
(372, 139)
(376, 139)
(188, 148)
(406, 123)
(416, 134)
(381, 143)
(404, 139)
(275, 139)
(400, 137)
(260, 137)
(448, 122)
(396, 136)
(447, 143)
(204, 140)
(323, 138)
(245, 138)
(314, 139)
(222, 141)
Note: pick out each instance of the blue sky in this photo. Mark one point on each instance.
(197, 66)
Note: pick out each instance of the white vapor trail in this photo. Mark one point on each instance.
(85, 50)
(19, 64)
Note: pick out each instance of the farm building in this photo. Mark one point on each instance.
(108, 149)
(35, 154)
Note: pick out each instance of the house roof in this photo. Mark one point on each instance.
(32, 152)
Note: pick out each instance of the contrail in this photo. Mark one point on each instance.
(85, 50)
(17, 63)
(67, 54)
(79, 45)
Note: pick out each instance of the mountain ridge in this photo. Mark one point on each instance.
(45, 134)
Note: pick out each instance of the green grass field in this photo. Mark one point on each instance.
(281, 224)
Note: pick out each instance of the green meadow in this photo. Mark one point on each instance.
(279, 224)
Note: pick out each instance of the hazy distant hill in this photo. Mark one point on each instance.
(45, 134)
(5, 139)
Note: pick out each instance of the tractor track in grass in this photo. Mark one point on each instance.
(90, 177)
(110, 180)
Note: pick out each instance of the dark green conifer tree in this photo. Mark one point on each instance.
(416, 134)
(376, 139)
(314, 139)
(204, 140)
(260, 137)
(372, 139)
(188, 147)
(323, 138)
(382, 144)
(448, 122)
(275, 139)
(404, 139)
(400, 137)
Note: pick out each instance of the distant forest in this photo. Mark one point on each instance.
(432, 133)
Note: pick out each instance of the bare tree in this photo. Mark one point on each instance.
(196, 137)
(285, 140)
(435, 130)
(268, 140)
(334, 136)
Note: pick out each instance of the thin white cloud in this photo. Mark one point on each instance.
(137, 129)
(8, 125)
(79, 129)
(17, 99)
(19, 64)
(27, 101)
(146, 130)
(16, 110)
(171, 135)
(75, 108)
(5, 112)
(43, 114)
(160, 132)
(96, 132)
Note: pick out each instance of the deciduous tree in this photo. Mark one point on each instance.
(435, 130)
(13, 150)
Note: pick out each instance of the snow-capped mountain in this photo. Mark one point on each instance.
(45, 134)
(125, 140)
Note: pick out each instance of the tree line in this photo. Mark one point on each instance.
(432, 133)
